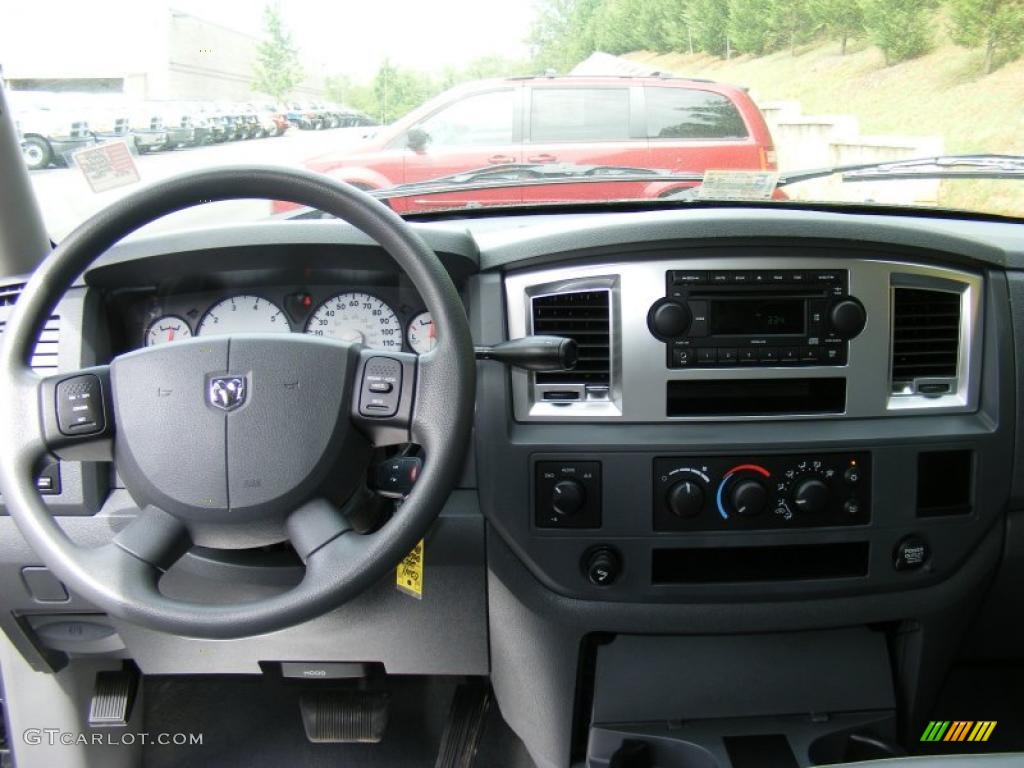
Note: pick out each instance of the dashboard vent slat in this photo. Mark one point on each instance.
(926, 335)
(46, 356)
(585, 317)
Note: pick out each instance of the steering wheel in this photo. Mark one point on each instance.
(241, 440)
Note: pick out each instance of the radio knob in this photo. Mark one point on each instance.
(669, 319)
(748, 497)
(685, 499)
(568, 497)
(810, 495)
(847, 317)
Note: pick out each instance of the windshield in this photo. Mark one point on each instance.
(458, 104)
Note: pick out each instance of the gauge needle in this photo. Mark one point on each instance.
(350, 334)
(170, 333)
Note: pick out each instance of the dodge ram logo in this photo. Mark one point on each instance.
(226, 392)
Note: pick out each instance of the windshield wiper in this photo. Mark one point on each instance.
(981, 166)
(527, 174)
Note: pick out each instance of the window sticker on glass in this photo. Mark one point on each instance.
(738, 185)
(107, 166)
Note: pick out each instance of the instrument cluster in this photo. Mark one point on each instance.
(380, 319)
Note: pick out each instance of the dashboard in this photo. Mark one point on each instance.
(781, 422)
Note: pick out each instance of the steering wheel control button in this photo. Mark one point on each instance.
(568, 494)
(396, 477)
(382, 387)
(602, 566)
(80, 405)
(911, 553)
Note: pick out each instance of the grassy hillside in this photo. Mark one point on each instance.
(943, 92)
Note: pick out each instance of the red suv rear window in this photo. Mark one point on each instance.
(689, 113)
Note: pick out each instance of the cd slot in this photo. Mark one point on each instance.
(744, 564)
(756, 397)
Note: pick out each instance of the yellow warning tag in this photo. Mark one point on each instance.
(409, 574)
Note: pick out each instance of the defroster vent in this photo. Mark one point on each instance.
(585, 317)
(926, 336)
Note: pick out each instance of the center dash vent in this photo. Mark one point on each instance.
(925, 337)
(45, 358)
(585, 317)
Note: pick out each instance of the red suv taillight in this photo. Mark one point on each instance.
(769, 160)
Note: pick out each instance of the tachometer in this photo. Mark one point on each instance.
(357, 317)
(422, 334)
(243, 314)
(167, 329)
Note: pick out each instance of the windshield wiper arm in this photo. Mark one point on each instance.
(528, 174)
(980, 166)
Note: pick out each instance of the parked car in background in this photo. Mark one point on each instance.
(672, 124)
(272, 119)
(185, 127)
(304, 116)
(147, 127)
(49, 132)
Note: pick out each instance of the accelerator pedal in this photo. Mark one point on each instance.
(113, 696)
(344, 717)
(466, 720)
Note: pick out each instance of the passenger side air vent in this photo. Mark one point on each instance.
(585, 317)
(46, 358)
(925, 341)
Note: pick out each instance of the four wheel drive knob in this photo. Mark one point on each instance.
(568, 497)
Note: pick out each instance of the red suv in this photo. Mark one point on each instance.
(670, 124)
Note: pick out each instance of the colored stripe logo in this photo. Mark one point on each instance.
(958, 730)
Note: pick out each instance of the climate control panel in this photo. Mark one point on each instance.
(768, 492)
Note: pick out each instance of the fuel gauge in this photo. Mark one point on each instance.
(422, 334)
(166, 329)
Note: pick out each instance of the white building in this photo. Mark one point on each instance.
(144, 50)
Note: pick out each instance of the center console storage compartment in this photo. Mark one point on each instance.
(774, 700)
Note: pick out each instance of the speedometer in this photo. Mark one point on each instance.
(243, 314)
(357, 317)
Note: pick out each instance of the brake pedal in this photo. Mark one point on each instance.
(113, 697)
(344, 717)
(465, 727)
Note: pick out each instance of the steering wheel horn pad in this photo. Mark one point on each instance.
(226, 429)
(239, 440)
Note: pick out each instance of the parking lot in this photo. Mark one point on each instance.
(66, 198)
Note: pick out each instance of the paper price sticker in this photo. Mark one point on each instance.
(409, 574)
(107, 166)
(738, 185)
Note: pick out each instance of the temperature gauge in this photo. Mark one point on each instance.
(166, 329)
(422, 334)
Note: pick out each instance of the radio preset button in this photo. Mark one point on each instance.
(706, 355)
(768, 355)
(727, 355)
(747, 356)
(790, 355)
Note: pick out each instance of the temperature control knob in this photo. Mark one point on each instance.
(810, 495)
(685, 499)
(847, 317)
(748, 497)
(568, 497)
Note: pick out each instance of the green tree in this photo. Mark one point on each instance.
(998, 25)
(398, 90)
(709, 23)
(749, 25)
(277, 69)
(342, 90)
(842, 19)
(901, 28)
(790, 23)
(562, 34)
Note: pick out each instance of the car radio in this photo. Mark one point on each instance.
(777, 317)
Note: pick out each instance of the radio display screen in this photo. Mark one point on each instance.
(756, 317)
